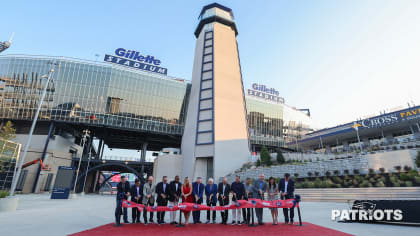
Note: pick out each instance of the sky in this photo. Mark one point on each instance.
(341, 59)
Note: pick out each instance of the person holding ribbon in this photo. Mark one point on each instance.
(238, 191)
(223, 191)
(187, 197)
(136, 197)
(198, 190)
(246, 212)
(149, 190)
(259, 189)
(287, 188)
(123, 192)
(211, 199)
(174, 195)
(273, 195)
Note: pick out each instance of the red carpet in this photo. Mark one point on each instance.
(217, 229)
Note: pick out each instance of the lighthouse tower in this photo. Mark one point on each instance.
(215, 140)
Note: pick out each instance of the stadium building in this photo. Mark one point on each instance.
(127, 102)
(365, 134)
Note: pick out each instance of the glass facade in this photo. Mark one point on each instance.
(114, 96)
(93, 93)
(275, 124)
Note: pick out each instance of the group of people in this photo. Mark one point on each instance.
(170, 194)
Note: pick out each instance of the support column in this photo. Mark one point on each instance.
(44, 152)
(100, 146)
(366, 142)
(143, 159)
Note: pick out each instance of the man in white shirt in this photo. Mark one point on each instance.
(174, 195)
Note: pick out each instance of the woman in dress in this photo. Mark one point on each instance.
(187, 197)
(273, 195)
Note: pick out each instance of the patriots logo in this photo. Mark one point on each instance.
(368, 206)
(195, 206)
(254, 202)
(294, 203)
(154, 207)
(182, 206)
(170, 207)
(238, 204)
(278, 204)
(266, 204)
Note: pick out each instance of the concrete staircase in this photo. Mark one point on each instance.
(351, 194)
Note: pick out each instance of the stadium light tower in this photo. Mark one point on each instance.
(6, 44)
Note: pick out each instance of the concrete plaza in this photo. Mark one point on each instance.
(39, 215)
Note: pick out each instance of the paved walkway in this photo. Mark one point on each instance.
(39, 215)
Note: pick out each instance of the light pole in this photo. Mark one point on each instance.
(85, 135)
(356, 127)
(87, 169)
(31, 131)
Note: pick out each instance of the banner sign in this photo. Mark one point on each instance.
(262, 91)
(390, 118)
(252, 203)
(134, 59)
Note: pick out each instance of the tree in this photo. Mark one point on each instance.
(265, 156)
(418, 160)
(8, 132)
(280, 157)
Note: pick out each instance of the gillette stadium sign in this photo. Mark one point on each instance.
(135, 59)
(262, 91)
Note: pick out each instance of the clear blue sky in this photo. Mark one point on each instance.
(341, 59)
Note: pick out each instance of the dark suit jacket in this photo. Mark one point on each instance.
(290, 188)
(173, 192)
(133, 193)
(198, 191)
(123, 189)
(225, 193)
(159, 191)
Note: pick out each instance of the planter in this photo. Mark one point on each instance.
(8, 204)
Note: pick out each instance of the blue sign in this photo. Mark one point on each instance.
(63, 182)
(262, 91)
(136, 60)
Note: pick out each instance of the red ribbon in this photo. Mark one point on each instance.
(251, 203)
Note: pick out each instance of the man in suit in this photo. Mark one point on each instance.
(162, 192)
(287, 189)
(238, 191)
(223, 191)
(148, 198)
(174, 195)
(211, 199)
(123, 192)
(198, 190)
(136, 196)
(259, 188)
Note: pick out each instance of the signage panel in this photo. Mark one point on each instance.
(262, 91)
(136, 60)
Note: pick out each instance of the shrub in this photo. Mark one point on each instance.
(397, 168)
(407, 168)
(317, 183)
(336, 172)
(328, 173)
(371, 171)
(396, 184)
(258, 162)
(408, 184)
(356, 171)
(418, 159)
(404, 177)
(4, 194)
(310, 174)
(280, 157)
(372, 180)
(382, 170)
(355, 183)
(380, 184)
(365, 184)
(296, 175)
(417, 179)
(337, 180)
(265, 156)
(316, 173)
(346, 172)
